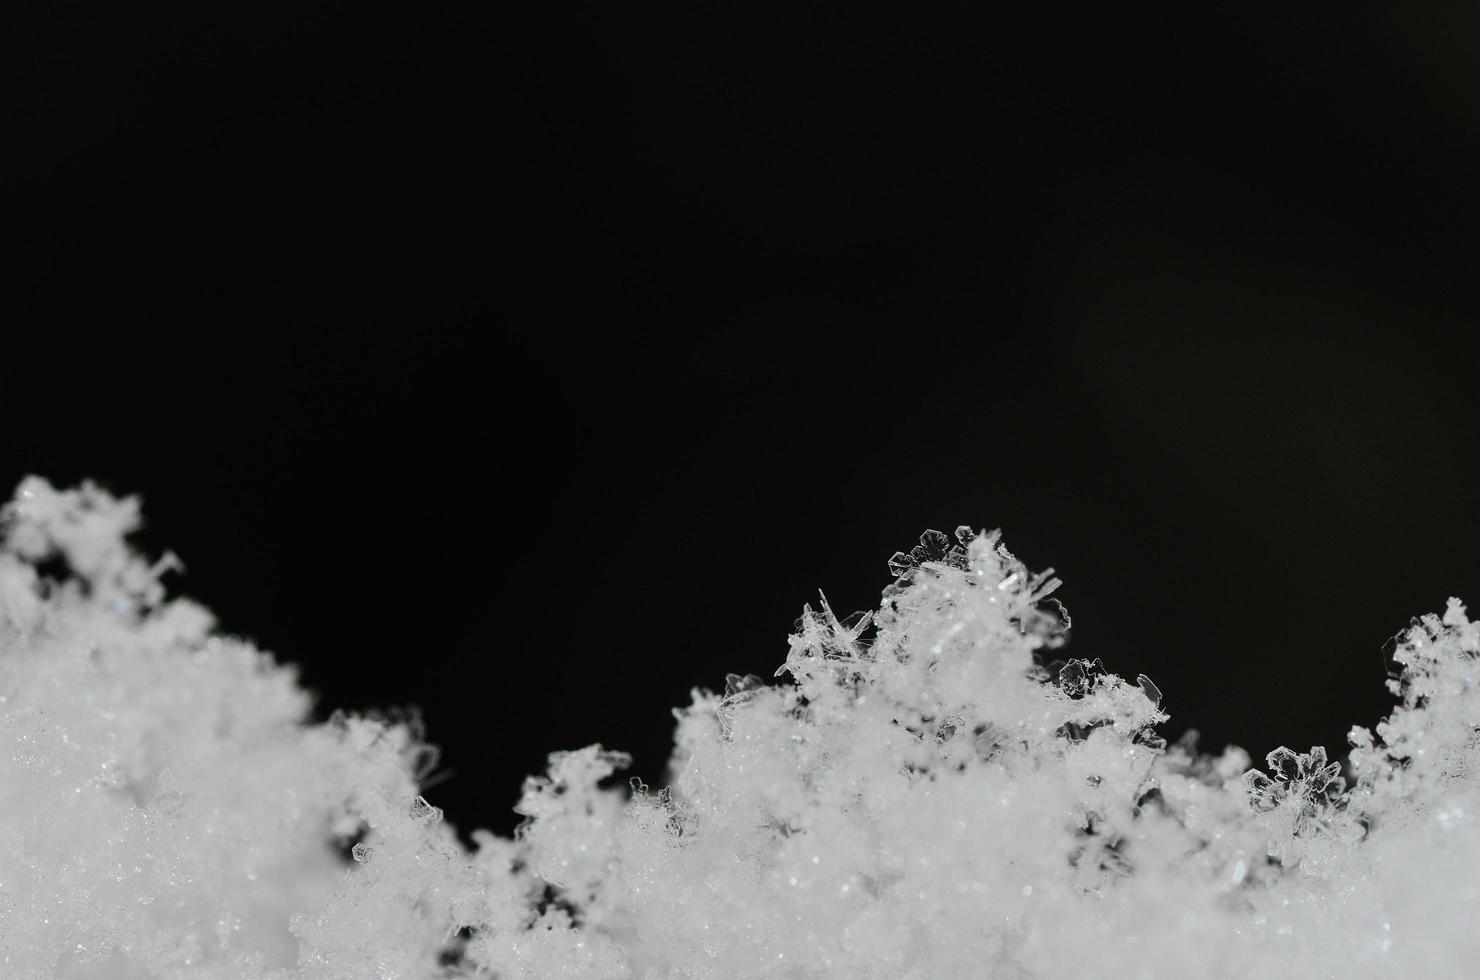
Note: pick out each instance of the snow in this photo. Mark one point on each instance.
(929, 791)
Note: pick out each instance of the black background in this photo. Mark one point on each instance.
(535, 364)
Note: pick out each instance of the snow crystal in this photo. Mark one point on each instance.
(927, 791)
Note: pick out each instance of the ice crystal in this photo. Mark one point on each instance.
(927, 791)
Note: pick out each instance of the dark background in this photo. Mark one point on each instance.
(535, 364)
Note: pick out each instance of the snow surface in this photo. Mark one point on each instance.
(926, 792)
